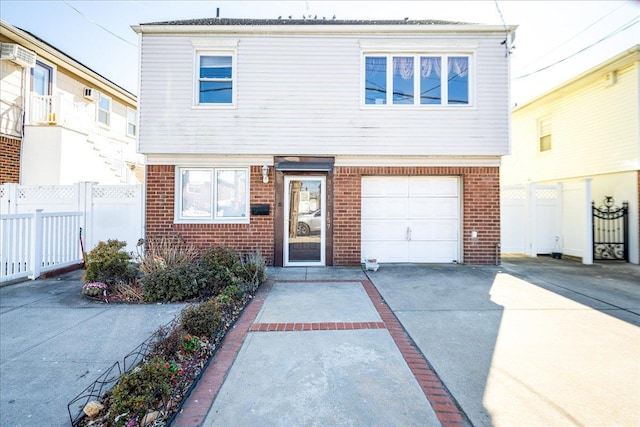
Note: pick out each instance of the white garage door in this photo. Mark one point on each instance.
(411, 219)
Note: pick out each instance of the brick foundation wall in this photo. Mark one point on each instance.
(258, 235)
(9, 160)
(480, 210)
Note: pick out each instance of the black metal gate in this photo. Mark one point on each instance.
(610, 231)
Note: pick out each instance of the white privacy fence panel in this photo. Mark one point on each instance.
(38, 242)
(530, 218)
(105, 212)
(117, 213)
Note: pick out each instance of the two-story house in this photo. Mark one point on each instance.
(584, 137)
(326, 142)
(60, 121)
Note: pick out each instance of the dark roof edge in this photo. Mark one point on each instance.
(310, 21)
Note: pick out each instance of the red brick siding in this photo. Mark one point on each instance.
(480, 201)
(258, 235)
(9, 160)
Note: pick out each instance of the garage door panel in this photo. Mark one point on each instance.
(434, 230)
(373, 208)
(381, 230)
(430, 186)
(386, 251)
(433, 208)
(385, 186)
(428, 206)
(433, 251)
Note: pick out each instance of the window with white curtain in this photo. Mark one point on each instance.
(417, 80)
(212, 195)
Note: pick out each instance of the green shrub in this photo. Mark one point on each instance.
(139, 390)
(109, 263)
(175, 284)
(224, 267)
(202, 320)
(233, 292)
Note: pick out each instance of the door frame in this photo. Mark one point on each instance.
(303, 168)
(323, 231)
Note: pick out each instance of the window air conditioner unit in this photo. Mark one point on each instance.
(90, 94)
(17, 54)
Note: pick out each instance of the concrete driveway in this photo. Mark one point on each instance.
(54, 343)
(532, 342)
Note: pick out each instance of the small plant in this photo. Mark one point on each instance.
(174, 371)
(232, 292)
(95, 289)
(190, 344)
(109, 263)
(167, 253)
(145, 387)
(203, 319)
(167, 341)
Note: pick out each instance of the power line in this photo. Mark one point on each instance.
(626, 26)
(574, 36)
(100, 26)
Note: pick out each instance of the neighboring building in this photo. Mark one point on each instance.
(61, 122)
(326, 142)
(585, 136)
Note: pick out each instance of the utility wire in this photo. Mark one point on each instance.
(95, 23)
(574, 36)
(626, 26)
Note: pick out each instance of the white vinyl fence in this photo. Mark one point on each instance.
(540, 219)
(34, 243)
(41, 226)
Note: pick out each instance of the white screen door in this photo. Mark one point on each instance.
(304, 221)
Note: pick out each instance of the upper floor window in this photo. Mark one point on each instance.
(42, 79)
(213, 195)
(544, 134)
(215, 79)
(417, 80)
(104, 110)
(131, 122)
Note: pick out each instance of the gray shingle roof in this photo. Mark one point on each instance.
(310, 21)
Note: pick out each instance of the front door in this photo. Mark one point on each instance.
(304, 220)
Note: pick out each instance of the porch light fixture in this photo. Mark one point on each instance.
(265, 174)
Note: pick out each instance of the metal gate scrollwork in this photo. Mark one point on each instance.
(610, 230)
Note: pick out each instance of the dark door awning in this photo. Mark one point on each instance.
(304, 167)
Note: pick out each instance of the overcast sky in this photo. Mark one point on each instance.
(555, 41)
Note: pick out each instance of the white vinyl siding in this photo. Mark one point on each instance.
(303, 95)
(588, 122)
(411, 219)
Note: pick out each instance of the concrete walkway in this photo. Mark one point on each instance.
(532, 342)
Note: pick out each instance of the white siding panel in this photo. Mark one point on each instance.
(595, 130)
(12, 104)
(302, 95)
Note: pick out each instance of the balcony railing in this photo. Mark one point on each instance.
(57, 110)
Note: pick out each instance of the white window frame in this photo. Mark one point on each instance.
(196, 78)
(213, 218)
(134, 123)
(545, 128)
(444, 87)
(108, 112)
